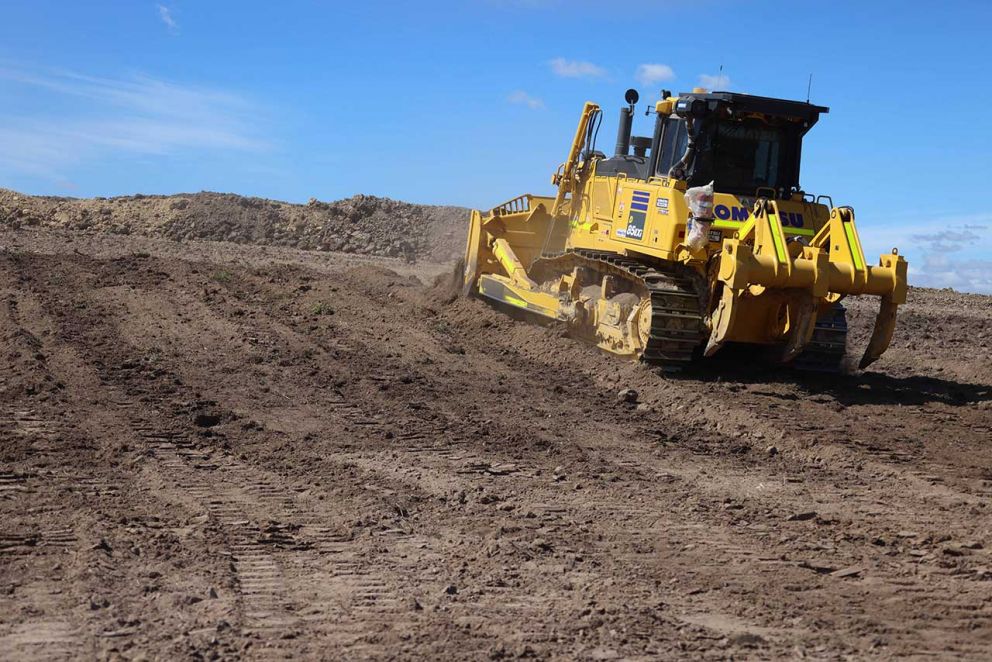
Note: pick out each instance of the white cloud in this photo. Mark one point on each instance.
(107, 117)
(651, 74)
(575, 68)
(951, 252)
(522, 98)
(165, 14)
(720, 82)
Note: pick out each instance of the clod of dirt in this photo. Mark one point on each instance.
(801, 517)
(628, 396)
(771, 451)
(451, 589)
(98, 602)
(103, 546)
(202, 420)
(747, 640)
(853, 571)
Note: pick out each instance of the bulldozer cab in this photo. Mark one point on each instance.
(746, 145)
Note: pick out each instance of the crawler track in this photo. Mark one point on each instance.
(825, 351)
(676, 301)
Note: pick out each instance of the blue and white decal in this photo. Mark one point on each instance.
(639, 200)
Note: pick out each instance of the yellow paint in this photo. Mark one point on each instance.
(854, 246)
(737, 225)
(776, 231)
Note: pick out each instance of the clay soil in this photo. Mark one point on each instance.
(214, 450)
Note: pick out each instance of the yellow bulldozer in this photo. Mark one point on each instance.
(689, 240)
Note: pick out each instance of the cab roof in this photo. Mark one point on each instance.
(748, 103)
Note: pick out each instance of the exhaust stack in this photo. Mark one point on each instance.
(626, 123)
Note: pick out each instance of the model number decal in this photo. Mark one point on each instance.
(635, 225)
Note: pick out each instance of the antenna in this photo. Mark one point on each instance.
(809, 86)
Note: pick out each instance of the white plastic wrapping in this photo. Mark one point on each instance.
(697, 234)
(700, 202)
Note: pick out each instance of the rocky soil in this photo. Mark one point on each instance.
(361, 224)
(220, 450)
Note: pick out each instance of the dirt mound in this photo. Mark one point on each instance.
(362, 224)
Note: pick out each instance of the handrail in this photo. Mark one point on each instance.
(517, 205)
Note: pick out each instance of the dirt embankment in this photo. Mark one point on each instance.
(362, 224)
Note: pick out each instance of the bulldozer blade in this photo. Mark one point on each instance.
(470, 265)
(885, 324)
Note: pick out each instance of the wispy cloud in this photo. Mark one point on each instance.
(522, 98)
(107, 117)
(951, 252)
(165, 14)
(652, 74)
(950, 241)
(718, 82)
(942, 263)
(576, 68)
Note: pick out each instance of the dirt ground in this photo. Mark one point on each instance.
(213, 450)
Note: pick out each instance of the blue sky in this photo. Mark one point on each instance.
(474, 102)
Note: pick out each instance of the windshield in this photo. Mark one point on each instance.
(672, 145)
(744, 156)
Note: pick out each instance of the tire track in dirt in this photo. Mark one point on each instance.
(430, 437)
(165, 375)
(445, 474)
(731, 550)
(234, 499)
(98, 488)
(257, 573)
(899, 509)
(33, 614)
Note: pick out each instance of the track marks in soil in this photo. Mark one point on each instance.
(362, 462)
